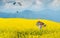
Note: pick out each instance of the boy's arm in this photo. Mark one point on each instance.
(44, 25)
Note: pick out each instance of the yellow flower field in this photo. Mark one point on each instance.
(27, 28)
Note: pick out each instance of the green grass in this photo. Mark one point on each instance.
(30, 33)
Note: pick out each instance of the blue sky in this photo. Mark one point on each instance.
(45, 9)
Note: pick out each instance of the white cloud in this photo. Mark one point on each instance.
(55, 5)
(37, 6)
(10, 7)
(25, 5)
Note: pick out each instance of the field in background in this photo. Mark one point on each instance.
(27, 28)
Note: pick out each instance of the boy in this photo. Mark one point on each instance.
(40, 24)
